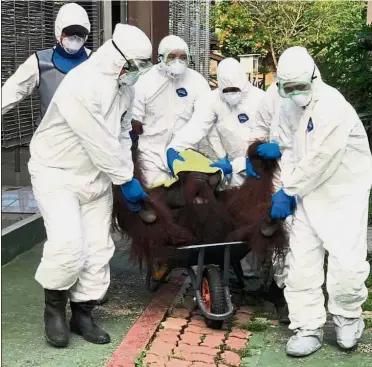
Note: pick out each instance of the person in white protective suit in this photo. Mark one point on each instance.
(78, 151)
(46, 69)
(241, 114)
(165, 98)
(229, 110)
(329, 174)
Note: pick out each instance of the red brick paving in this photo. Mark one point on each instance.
(198, 357)
(242, 318)
(180, 313)
(141, 332)
(236, 343)
(184, 348)
(191, 338)
(173, 323)
(213, 341)
(239, 333)
(231, 358)
(178, 363)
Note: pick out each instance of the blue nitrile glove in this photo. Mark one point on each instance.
(133, 193)
(282, 205)
(224, 164)
(249, 171)
(269, 150)
(172, 156)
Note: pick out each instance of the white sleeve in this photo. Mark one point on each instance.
(138, 110)
(20, 85)
(214, 141)
(103, 147)
(261, 122)
(322, 160)
(197, 128)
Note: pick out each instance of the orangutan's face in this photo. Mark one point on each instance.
(199, 188)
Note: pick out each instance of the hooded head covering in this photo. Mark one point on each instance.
(69, 15)
(172, 43)
(295, 64)
(128, 43)
(230, 73)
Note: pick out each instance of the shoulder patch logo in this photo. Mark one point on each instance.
(243, 118)
(181, 92)
(310, 125)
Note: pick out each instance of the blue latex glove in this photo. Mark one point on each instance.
(224, 164)
(282, 205)
(172, 156)
(133, 194)
(249, 171)
(269, 150)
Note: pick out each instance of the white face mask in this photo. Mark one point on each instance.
(302, 100)
(233, 98)
(175, 68)
(128, 79)
(72, 44)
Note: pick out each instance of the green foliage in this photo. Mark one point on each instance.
(269, 27)
(346, 64)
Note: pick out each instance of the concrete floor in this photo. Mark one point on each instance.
(22, 314)
(267, 349)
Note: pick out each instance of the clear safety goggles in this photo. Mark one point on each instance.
(135, 66)
(170, 57)
(289, 89)
(295, 87)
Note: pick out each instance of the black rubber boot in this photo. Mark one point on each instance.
(103, 300)
(276, 296)
(82, 323)
(56, 328)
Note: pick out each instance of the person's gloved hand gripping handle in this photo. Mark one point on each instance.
(133, 194)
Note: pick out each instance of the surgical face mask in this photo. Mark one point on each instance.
(128, 79)
(302, 100)
(233, 98)
(176, 68)
(72, 44)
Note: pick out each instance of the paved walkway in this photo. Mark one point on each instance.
(22, 315)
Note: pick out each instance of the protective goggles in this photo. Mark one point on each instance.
(296, 87)
(135, 66)
(171, 57)
(289, 89)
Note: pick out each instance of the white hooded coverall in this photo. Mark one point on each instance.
(163, 107)
(330, 173)
(232, 123)
(27, 77)
(79, 149)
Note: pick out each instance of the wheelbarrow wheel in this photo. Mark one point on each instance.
(213, 294)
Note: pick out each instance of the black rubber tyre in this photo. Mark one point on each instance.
(212, 277)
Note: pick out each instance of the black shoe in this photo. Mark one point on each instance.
(82, 323)
(56, 328)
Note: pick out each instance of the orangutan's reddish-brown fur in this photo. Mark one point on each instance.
(233, 215)
(250, 205)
